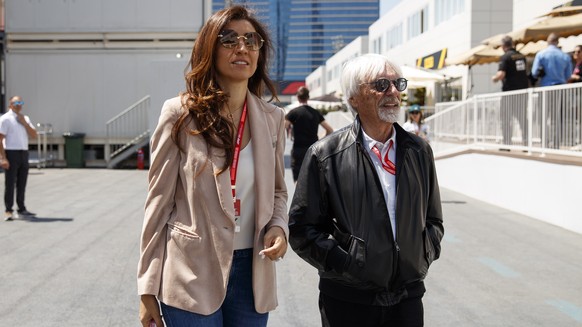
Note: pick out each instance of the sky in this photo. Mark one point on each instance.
(386, 5)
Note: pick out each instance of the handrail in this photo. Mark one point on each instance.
(127, 128)
(535, 120)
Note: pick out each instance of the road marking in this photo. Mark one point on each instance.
(568, 308)
(498, 267)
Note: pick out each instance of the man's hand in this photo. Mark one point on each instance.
(4, 163)
(20, 118)
(275, 243)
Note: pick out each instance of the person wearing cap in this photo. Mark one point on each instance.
(415, 123)
(305, 122)
(15, 129)
(512, 74)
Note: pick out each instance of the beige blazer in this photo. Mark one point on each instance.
(188, 229)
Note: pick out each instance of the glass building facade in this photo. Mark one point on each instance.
(306, 33)
(320, 28)
(275, 15)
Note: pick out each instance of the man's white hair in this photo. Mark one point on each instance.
(360, 70)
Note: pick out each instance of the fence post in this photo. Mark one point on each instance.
(544, 124)
(475, 111)
(529, 108)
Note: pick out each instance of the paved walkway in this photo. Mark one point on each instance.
(75, 264)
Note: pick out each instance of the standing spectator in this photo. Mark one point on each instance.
(415, 123)
(554, 67)
(367, 210)
(15, 129)
(216, 214)
(513, 75)
(305, 121)
(577, 72)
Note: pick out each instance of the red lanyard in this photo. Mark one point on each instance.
(386, 163)
(237, 146)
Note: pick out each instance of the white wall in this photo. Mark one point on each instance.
(355, 48)
(545, 191)
(81, 91)
(77, 86)
(315, 82)
(103, 15)
(525, 11)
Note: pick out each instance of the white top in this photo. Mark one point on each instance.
(412, 126)
(245, 191)
(387, 180)
(15, 135)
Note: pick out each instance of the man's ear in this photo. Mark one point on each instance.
(352, 102)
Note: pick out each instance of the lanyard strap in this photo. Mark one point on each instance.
(237, 146)
(386, 163)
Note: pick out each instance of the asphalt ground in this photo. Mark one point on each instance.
(75, 263)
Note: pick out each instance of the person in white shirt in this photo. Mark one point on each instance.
(15, 129)
(415, 123)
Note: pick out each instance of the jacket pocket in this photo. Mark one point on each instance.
(182, 231)
(356, 267)
(357, 251)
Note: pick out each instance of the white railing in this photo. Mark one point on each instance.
(542, 120)
(127, 128)
(43, 156)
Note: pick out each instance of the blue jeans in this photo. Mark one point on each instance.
(238, 308)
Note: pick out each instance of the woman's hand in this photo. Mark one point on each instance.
(275, 243)
(150, 310)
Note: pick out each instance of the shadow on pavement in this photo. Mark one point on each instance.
(42, 219)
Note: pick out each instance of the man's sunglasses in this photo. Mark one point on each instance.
(18, 103)
(382, 84)
(230, 39)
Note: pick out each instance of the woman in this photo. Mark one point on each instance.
(216, 147)
(577, 72)
(415, 123)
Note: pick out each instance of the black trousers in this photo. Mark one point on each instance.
(297, 156)
(337, 313)
(513, 106)
(16, 175)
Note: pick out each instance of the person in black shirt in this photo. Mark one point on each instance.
(513, 75)
(305, 122)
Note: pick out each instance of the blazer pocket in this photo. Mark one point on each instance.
(182, 231)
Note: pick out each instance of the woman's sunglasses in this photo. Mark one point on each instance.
(230, 39)
(382, 84)
(18, 103)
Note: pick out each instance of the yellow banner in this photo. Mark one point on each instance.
(433, 61)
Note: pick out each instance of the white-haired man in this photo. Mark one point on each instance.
(366, 210)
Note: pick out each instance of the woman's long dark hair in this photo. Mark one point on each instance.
(204, 98)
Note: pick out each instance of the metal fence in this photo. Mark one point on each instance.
(542, 120)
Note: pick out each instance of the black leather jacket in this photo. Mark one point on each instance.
(339, 222)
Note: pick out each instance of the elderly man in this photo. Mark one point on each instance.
(366, 210)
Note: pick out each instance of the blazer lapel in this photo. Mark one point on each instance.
(263, 153)
(223, 186)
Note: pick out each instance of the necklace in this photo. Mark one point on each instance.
(229, 113)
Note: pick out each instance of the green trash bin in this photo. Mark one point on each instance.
(74, 144)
